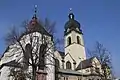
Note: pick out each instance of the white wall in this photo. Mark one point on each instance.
(77, 51)
(15, 53)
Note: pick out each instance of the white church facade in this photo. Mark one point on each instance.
(33, 49)
(70, 64)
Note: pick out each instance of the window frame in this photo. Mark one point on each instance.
(68, 65)
(68, 40)
(78, 40)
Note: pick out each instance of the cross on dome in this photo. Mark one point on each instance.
(70, 10)
(71, 15)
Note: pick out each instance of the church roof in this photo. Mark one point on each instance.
(72, 24)
(35, 26)
(85, 64)
(11, 64)
(76, 73)
(62, 53)
(70, 72)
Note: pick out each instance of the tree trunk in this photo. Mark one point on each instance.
(105, 74)
(33, 73)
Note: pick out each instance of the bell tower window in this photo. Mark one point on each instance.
(69, 41)
(68, 65)
(78, 40)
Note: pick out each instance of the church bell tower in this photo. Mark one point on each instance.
(74, 43)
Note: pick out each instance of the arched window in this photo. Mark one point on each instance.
(27, 51)
(78, 40)
(42, 52)
(69, 40)
(26, 55)
(57, 63)
(68, 65)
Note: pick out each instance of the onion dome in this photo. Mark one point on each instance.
(72, 24)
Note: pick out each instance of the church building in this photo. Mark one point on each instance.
(70, 64)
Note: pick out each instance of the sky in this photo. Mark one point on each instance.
(99, 19)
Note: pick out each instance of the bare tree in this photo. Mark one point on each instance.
(35, 48)
(51, 28)
(19, 74)
(104, 56)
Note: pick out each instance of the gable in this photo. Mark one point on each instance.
(68, 57)
(58, 55)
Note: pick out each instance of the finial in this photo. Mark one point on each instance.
(71, 15)
(35, 12)
(70, 10)
(35, 8)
